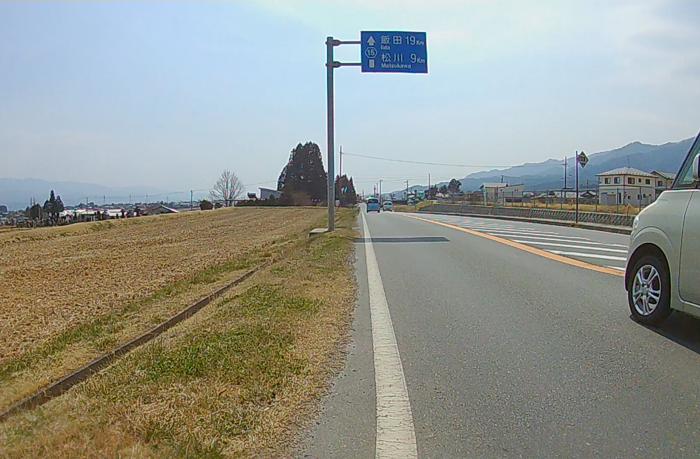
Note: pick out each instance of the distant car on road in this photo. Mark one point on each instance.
(373, 205)
(388, 206)
(663, 265)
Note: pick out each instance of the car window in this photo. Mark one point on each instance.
(685, 176)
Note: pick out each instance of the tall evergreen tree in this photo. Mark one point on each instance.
(59, 205)
(53, 207)
(35, 212)
(345, 190)
(304, 174)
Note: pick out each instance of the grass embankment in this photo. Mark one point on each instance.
(414, 208)
(72, 293)
(238, 378)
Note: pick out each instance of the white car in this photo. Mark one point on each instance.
(663, 264)
(388, 206)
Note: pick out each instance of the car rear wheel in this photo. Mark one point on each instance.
(649, 291)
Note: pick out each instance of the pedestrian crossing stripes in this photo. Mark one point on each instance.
(603, 249)
(571, 246)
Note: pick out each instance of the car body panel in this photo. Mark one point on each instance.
(689, 281)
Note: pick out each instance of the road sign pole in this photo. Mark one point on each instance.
(330, 42)
(576, 167)
(402, 52)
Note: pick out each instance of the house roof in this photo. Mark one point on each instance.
(494, 185)
(627, 171)
(161, 207)
(666, 175)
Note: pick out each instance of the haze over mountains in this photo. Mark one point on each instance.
(545, 175)
(16, 193)
(549, 174)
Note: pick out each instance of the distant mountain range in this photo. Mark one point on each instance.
(545, 175)
(16, 193)
(549, 174)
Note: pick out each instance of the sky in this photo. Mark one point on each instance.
(168, 94)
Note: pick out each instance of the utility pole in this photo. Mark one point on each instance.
(380, 191)
(406, 191)
(191, 195)
(341, 161)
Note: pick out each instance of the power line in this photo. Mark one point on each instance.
(425, 163)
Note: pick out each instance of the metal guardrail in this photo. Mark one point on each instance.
(600, 218)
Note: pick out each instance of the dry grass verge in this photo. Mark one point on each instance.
(110, 281)
(237, 379)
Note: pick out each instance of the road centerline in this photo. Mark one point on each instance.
(396, 437)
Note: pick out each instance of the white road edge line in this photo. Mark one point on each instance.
(396, 437)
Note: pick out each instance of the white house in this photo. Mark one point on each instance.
(502, 192)
(663, 181)
(626, 186)
(267, 193)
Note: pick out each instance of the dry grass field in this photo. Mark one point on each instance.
(239, 378)
(70, 293)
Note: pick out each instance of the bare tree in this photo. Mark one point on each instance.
(227, 189)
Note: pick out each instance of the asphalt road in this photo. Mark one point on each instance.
(508, 353)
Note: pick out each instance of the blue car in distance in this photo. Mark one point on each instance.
(373, 205)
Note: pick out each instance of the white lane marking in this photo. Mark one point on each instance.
(396, 436)
(565, 239)
(486, 225)
(577, 241)
(616, 267)
(588, 255)
(572, 246)
(532, 233)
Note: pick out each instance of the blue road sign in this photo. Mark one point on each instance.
(397, 52)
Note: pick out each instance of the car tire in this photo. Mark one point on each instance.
(649, 291)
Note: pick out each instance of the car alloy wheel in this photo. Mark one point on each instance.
(646, 290)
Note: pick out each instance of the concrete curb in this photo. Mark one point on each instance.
(62, 385)
(591, 226)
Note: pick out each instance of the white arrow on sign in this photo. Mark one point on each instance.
(370, 40)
